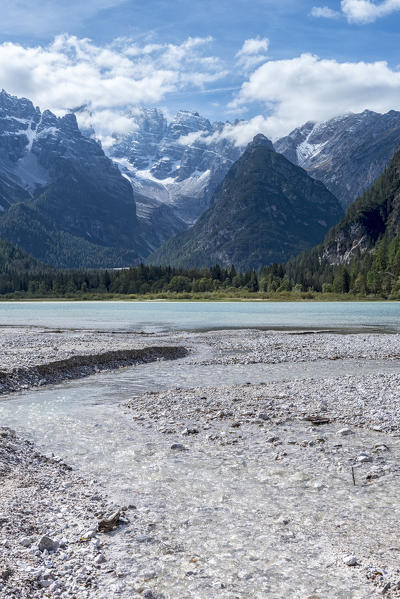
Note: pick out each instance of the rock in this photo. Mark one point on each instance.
(350, 560)
(89, 534)
(380, 447)
(263, 416)
(99, 559)
(47, 544)
(345, 431)
(386, 588)
(108, 524)
(363, 458)
(190, 431)
(25, 541)
(178, 447)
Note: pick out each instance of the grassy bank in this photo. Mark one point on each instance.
(211, 296)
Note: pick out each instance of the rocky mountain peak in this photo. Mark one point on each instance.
(165, 168)
(11, 106)
(261, 140)
(347, 153)
(186, 122)
(266, 210)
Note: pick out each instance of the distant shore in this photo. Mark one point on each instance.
(202, 297)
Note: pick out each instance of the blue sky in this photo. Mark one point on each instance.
(302, 59)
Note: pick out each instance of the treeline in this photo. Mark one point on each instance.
(139, 280)
(375, 273)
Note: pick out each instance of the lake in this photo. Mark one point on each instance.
(165, 316)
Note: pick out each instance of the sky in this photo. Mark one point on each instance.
(263, 65)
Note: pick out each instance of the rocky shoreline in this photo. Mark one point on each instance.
(277, 489)
(50, 544)
(28, 355)
(78, 367)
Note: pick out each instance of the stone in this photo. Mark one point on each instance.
(108, 524)
(350, 560)
(47, 544)
(345, 431)
(363, 458)
(89, 534)
(99, 559)
(178, 447)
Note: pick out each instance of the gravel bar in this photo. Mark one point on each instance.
(272, 490)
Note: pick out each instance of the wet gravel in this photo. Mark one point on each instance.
(240, 491)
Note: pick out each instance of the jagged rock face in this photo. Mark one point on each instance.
(376, 214)
(70, 189)
(266, 210)
(347, 153)
(168, 169)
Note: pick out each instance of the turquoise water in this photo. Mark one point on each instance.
(164, 316)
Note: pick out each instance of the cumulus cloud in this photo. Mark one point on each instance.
(239, 133)
(324, 12)
(309, 88)
(254, 46)
(72, 72)
(252, 53)
(365, 11)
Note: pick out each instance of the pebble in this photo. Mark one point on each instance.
(363, 458)
(350, 560)
(47, 544)
(178, 447)
(345, 431)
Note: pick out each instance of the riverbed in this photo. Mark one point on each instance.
(237, 491)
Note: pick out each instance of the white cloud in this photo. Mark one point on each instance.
(72, 71)
(239, 133)
(254, 46)
(324, 12)
(365, 11)
(309, 88)
(252, 53)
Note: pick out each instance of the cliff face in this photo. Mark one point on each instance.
(374, 215)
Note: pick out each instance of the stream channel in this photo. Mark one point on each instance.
(218, 509)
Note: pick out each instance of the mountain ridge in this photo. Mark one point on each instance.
(257, 216)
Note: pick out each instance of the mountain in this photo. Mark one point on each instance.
(169, 164)
(63, 200)
(14, 259)
(360, 255)
(347, 153)
(266, 210)
(373, 219)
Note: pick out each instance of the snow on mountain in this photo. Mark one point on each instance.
(164, 167)
(347, 153)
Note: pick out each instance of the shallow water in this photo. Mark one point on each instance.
(163, 316)
(220, 504)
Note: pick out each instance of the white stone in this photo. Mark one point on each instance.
(350, 560)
